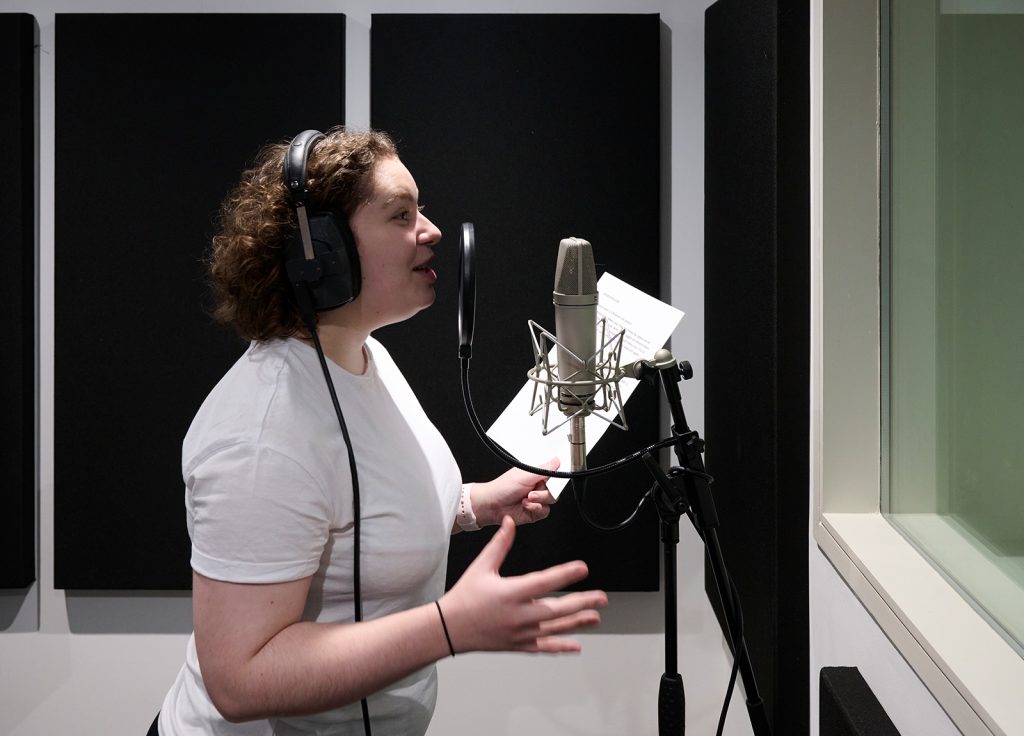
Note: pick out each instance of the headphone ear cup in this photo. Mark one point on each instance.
(333, 277)
(338, 236)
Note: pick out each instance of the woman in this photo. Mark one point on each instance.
(269, 489)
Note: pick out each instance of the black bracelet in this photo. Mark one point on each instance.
(445, 627)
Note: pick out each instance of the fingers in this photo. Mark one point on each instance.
(553, 616)
(537, 503)
(556, 607)
(534, 512)
(542, 582)
(494, 553)
(581, 620)
(545, 637)
(542, 496)
(551, 464)
(553, 645)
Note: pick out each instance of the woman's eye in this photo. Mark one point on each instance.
(405, 216)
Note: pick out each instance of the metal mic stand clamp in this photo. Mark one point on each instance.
(686, 490)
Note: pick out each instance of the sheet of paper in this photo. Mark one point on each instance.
(648, 324)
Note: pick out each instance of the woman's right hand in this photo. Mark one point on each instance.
(487, 612)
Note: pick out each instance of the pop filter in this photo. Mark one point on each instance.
(467, 290)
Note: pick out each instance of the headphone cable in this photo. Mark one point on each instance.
(356, 583)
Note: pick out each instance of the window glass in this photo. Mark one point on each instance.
(953, 292)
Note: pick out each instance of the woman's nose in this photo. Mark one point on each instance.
(429, 232)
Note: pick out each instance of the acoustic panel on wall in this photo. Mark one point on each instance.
(19, 34)
(757, 329)
(848, 707)
(534, 128)
(156, 116)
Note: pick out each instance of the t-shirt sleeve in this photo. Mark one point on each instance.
(255, 516)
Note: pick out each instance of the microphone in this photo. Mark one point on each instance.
(588, 384)
(575, 300)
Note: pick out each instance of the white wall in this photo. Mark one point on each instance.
(844, 634)
(100, 664)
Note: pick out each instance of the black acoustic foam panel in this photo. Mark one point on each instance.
(848, 707)
(757, 329)
(156, 116)
(19, 35)
(534, 128)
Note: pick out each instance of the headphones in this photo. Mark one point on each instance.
(322, 261)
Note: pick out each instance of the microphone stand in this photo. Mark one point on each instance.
(675, 494)
(685, 490)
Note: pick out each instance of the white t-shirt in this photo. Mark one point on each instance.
(268, 495)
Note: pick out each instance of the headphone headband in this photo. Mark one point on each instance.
(295, 161)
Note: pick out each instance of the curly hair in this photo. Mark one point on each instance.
(246, 264)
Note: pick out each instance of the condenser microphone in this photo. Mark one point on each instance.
(575, 300)
(582, 381)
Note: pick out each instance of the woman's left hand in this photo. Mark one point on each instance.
(516, 493)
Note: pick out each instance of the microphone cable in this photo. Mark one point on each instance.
(736, 640)
(467, 400)
(580, 476)
(356, 584)
(580, 491)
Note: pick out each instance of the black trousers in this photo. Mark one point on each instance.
(152, 729)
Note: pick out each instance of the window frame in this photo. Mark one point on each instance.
(969, 668)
